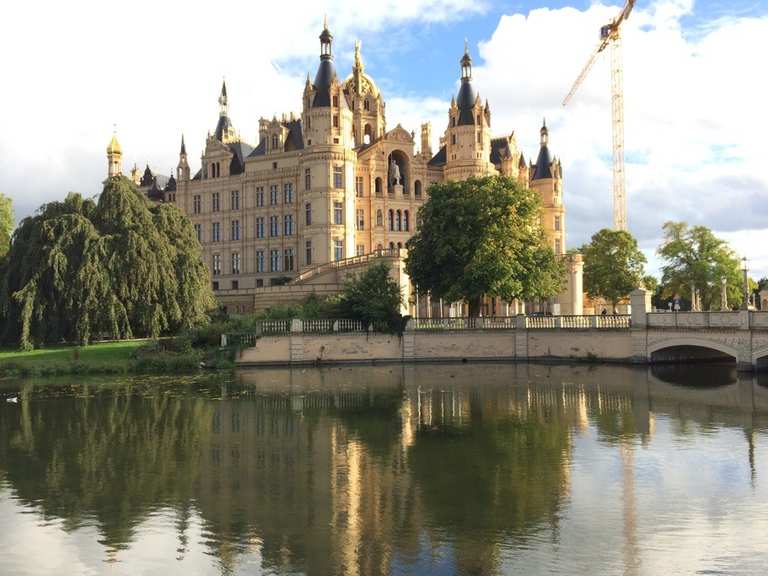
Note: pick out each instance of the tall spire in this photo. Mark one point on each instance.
(183, 150)
(544, 161)
(114, 156)
(466, 63)
(544, 133)
(358, 66)
(223, 106)
(326, 73)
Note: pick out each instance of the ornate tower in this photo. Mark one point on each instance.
(547, 180)
(366, 102)
(182, 169)
(114, 158)
(327, 168)
(225, 132)
(468, 137)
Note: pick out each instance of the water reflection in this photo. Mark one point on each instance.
(380, 470)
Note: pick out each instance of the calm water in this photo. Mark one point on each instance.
(388, 470)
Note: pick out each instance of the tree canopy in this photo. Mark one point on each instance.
(121, 267)
(6, 225)
(694, 256)
(613, 265)
(482, 236)
(371, 297)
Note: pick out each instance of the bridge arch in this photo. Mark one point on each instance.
(688, 348)
(760, 355)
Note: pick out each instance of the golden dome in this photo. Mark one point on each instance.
(114, 146)
(359, 82)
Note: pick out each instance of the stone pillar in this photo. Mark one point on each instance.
(640, 300)
(576, 284)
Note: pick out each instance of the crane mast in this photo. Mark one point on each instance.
(610, 34)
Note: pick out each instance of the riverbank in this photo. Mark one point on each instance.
(123, 357)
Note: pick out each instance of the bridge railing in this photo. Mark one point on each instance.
(699, 319)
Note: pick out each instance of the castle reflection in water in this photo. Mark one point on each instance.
(358, 470)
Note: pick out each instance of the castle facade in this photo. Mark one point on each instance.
(336, 182)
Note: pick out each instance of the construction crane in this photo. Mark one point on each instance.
(610, 36)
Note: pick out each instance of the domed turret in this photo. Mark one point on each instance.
(466, 98)
(326, 72)
(114, 157)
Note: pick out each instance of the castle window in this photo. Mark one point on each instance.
(360, 219)
(235, 263)
(274, 260)
(274, 226)
(235, 232)
(260, 196)
(288, 193)
(308, 252)
(377, 185)
(215, 285)
(335, 101)
(359, 189)
(338, 213)
(406, 223)
(479, 137)
(216, 265)
(335, 120)
(366, 104)
(417, 188)
(309, 123)
(367, 134)
(260, 227)
(215, 232)
(338, 249)
(273, 194)
(360, 250)
(236, 285)
(338, 177)
(558, 246)
(307, 179)
(288, 260)
(453, 121)
(399, 221)
(196, 204)
(235, 199)
(275, 141)
(199, 232)
(215, 204)
(391, 246)
(379, 218)
(288, 225)
(453, 139)
(391, 220)
(558, 223)
(259, 260)
(308, 213)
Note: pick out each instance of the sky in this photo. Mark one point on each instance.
(695, 92)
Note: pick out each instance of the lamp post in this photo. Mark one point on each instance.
(745, 303)
(723, 293)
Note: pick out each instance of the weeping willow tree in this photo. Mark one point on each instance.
(122, 267)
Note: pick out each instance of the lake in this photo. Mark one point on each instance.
(425, 469)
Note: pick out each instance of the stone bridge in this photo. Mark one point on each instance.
(669, 336)
(642, 337)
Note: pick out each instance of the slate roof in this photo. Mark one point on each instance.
(223, 125)
(240, 151)
(438, 159)
(323, 79)
(543, 167)
(466, 102)
(499, 150)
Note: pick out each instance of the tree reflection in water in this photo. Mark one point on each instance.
(370, 470)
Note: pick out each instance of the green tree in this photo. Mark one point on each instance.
(613, 265)
(372, 296)
(694, 256)
(482, 236)
(650, 282)
(122, 267)
(6, 224)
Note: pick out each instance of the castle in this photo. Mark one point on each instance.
(335, 183)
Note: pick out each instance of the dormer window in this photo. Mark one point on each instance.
(275, 141)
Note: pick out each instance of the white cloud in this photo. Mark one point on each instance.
(694, 115)
(154, 69)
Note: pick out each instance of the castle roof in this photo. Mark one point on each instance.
(438, 159)
(240, 151)
(500, 149)
(543, 168)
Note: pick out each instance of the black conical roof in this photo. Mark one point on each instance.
(466, 103)
(543, 164)
(326, 72)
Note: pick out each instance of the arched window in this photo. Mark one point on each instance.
(399, 221)
(366, 104)
(399, 245)
(391, 220)
(453, 121)
(377, 187)
(379, 218)
(417, 188)
(391, 245)
(367, 133)
(406, 222)
(379, 247)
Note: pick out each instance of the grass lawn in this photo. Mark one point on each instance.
(117, 355)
